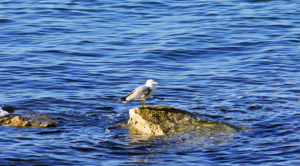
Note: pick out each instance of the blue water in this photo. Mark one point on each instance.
(235, 61)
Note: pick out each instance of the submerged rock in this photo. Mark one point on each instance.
(28, 120)
(164, 120)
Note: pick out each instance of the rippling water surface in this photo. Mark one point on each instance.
(232, 61)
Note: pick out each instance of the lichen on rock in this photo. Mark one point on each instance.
(165, 120)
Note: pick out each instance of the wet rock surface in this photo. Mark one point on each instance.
(166, 120)
(28, 120)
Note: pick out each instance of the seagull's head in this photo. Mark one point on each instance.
(150, 82)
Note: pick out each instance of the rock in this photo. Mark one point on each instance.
(28, 120)
(164, 120)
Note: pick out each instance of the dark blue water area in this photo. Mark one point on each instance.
(232, 61)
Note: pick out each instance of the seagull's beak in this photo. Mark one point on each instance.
(155, 83)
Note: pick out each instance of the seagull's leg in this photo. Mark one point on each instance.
(145, 103)
(142, 103)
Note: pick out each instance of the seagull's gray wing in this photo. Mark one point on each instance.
(137, 94)
(124, 98)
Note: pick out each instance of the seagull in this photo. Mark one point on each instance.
(3, 113)
(141, 93)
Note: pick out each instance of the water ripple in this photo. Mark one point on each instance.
(231, 61)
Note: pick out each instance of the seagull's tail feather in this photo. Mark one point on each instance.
(122, 99)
